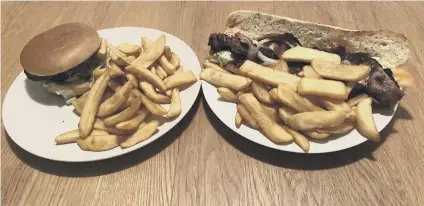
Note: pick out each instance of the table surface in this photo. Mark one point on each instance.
(204, 162)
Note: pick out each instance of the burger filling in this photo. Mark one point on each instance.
(71, 83)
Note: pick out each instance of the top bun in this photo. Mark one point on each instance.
(59, 49)
(390, 49)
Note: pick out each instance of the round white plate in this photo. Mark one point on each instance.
(225, 111)
(33, 117)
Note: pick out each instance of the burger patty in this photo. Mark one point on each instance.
(83, 71)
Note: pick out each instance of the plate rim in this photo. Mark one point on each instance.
(124, 151)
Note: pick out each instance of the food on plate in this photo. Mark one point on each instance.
(267, 75)
(98, 143)
(298, 138)
(355, 100)
(112, 88)
(309, 72)
(180, 79)
(261, 92)
(316, 120)
(339, 71)
(123, 115)
(302, 54)
(247, 117)
(315, 135)
(221, 79)
(227, 95)
(63, 58)
(151, 93)
(134, 122)
(112, 104)
(365, 120)
(141, 134)
(88, 113)
(175, 107)
(73, 135)
(294, 100)
(310, 76)
(238, 120)
(267, 125)
(321, 87)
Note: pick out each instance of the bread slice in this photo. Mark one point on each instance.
(390, 49)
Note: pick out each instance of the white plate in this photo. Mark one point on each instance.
(225, 111)
(33, 118)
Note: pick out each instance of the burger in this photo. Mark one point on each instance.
(62, 59)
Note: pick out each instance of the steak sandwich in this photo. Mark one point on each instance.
(264, 39)
(63, 58)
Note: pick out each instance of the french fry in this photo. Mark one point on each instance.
(365, 120)
(298, 138)
(89, 111)
(98, 143)
(339, 129)
(285, 113)
(161, 72)
(273, 93)
(129, 49)
(146, 43)
(272, 112)
(154, 108)
(179, 70)
(148, 75)
(315, 135)
(150, 92)
(316, 120)
(266, 75)
(153, 69)
(320, 87)
(112, 104)
(404, 78)
(281, 66)
(113, 69)
(100, 125)
(123, 115)
(338, 105)
(133, 79)
(304, 54)
(248, 119)
(167, 66)
(295, 101)
(267, 125)
(350, 86)
(140, 65)
(102, 51)
(142, 134)
(134, 122)
(72, 136)
(175, 107)
(117, 58)
(98, 72)
(339, 71)
(167, 53)
(215, 67)
(227, 80)
(261, 93)
(152, 53)
(168, 93)
(180, 79)
(355, 100)
(309, 72)
(227, 94)
(238, 119)
(175, 60)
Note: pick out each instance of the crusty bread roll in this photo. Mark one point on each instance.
(388, 48)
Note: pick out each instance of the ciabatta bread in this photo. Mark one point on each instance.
(390, 49)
